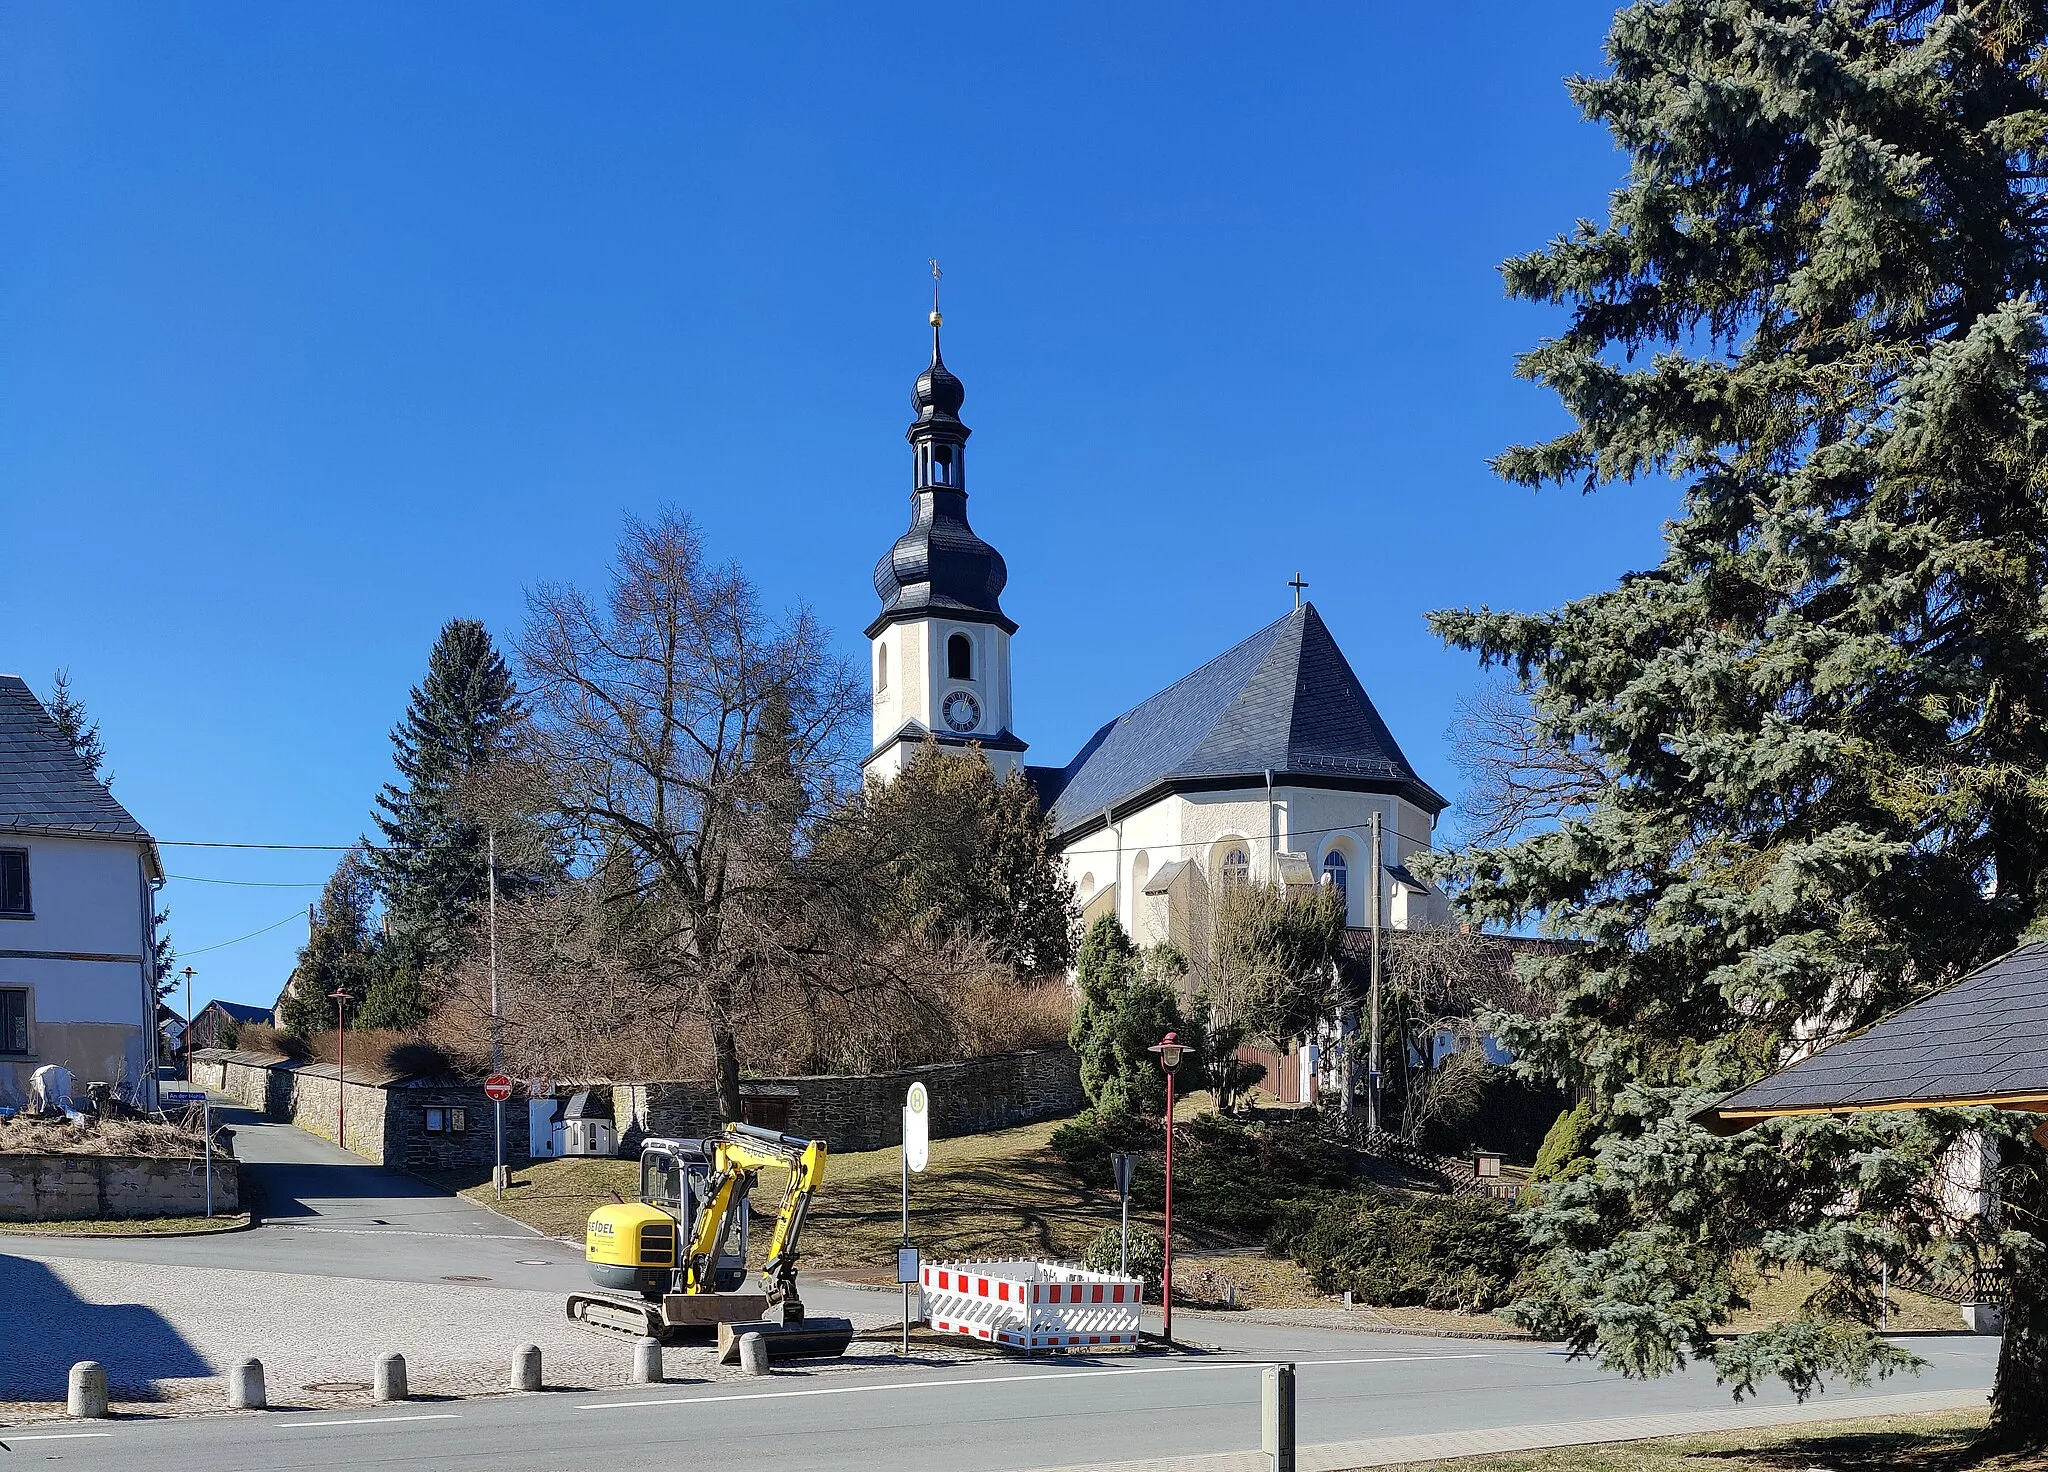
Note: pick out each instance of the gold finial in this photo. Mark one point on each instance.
(937, 320)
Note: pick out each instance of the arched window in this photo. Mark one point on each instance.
(1337, 874)
(960, 658)
(881, 668)
(944, 458)
(1237, 868)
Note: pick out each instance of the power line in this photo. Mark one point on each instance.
(249, 883)
(223, 945)
(303, 848)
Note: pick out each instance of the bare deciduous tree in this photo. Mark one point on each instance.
(648, 714)
(1520, 772)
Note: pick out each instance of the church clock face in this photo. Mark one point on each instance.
(962, 711)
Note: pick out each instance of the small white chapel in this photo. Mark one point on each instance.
(1269, 763)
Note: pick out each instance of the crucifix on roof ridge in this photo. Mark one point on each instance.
(1298, 584)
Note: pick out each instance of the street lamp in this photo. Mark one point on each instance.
(341, 1068)
(1170, 1050)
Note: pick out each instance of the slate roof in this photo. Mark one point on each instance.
(240, 1011)
(44, 787)
(1284, 701)
(1981, 1039)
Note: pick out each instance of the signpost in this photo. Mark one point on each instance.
(199, 1096)
(917, 1154)
(1122, 1164)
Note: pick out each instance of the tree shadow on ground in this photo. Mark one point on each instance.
(50, 1328)
(1879, 1450)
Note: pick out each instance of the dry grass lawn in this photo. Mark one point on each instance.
(141, 1226)
(1936, 1443)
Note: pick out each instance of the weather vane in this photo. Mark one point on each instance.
(933, 262)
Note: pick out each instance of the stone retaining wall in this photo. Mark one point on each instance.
(865, 1112)
(386, 1118)
(54, 1188)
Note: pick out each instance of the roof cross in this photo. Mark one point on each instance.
(1297, 585)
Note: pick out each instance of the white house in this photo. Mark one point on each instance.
(78, 881)
(1267, 763)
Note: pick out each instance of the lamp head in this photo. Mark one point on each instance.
(1170, 1049)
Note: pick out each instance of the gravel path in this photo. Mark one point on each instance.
(170, 1334)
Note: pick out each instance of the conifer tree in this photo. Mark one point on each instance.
(431, 868)
(339, 953)
(78, 728)
(1816, 304)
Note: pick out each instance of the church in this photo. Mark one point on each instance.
(1267, 764)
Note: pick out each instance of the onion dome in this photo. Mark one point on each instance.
(940, 566)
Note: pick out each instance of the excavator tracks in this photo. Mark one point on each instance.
(612, 1313)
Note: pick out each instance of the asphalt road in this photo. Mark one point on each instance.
(333, 1216)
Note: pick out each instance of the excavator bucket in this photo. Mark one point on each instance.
(812, 1339)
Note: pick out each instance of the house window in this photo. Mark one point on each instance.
(881, 668)
(1237, 868)
(13, 881)
(960, 658)
(14, 1021)
(1337, 874)
(942, 466)
(437, 1121)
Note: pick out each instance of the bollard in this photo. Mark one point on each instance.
(245, 1387)
(88, 1394)
(753, 1354)
(647, 1361)
(1276, 1416)
(391, 1377)
(526, 1368)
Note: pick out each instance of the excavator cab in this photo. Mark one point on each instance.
(632, 1247)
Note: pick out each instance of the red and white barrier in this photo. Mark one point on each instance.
(1031, 1305)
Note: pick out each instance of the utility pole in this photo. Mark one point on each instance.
(187, 973)
(1372, 1064)
(497, 1036)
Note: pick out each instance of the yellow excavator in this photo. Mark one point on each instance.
(670, 1261)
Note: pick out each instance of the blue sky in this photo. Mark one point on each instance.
(326, 323)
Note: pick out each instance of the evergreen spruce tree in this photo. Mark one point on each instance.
(1121, 1009)
(83, 733)
(340, 953)
(1816, 303)
(78, 728)
(431, 868)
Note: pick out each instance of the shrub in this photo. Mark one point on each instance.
(1567, 1146)
(376, 1050)
(1447, 1252)
(261, 1037)
(1147, 1260)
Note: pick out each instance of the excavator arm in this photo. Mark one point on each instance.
(738, 1157)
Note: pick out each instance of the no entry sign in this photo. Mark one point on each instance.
(498, 1087)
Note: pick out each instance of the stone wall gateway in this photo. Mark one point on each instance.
(865, 1111)
(54, 1188)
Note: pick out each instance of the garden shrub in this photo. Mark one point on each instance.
(1442, 1252)
(1147, 1259)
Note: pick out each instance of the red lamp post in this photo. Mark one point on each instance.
(1170, 1050)
(341, 1068)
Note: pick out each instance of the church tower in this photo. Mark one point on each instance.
(940, 647)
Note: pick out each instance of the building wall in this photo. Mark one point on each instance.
(49, 1188)
(865, 1112)
(918, 685)
(82, 957)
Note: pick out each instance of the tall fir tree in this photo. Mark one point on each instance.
(78, 728)
(340, 953)
(431, 868)
(1815, 303)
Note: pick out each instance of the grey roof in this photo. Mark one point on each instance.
(1983, 1038)
(240, 1011)
(44, 787)
(1284, 701)
(1162, 879)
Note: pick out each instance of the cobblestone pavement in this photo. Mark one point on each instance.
(169, 1335)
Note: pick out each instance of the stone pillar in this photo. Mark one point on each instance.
(754, 1354)
(526, 1368)
(647, 1361)
(88, 1390)
(245, 1387)
(391, 1377)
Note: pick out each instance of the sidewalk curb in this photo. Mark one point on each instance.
(26, 1229)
